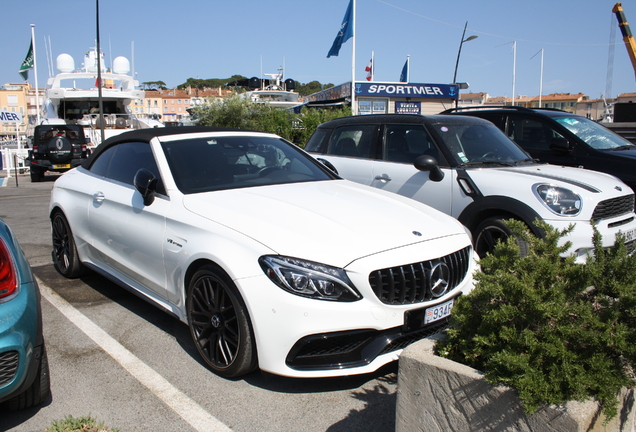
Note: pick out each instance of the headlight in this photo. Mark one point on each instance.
(558, 200)
(309, 279)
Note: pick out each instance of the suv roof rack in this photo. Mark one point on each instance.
(487, 107)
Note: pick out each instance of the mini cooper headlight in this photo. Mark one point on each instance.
(558, 200)
(309, 279)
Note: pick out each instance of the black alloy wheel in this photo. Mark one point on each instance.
(65, 258)
(219, 323)
(490, 232)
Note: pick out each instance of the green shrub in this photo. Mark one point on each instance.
(80, 424)
(549, 328)
(242, 113)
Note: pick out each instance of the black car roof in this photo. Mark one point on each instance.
(146, 135)
(400, 118)
(475, 110)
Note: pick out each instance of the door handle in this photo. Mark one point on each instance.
(98, 197)
(383, 177)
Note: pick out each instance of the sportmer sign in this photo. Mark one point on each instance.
(410, 90)
(10, 117)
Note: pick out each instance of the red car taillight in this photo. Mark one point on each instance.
(8, 276)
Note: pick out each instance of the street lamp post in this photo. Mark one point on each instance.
(469, 38)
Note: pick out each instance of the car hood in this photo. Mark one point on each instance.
(627, 153)
(591, 181)
(332, 222)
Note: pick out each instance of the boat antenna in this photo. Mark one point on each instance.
(99, 75)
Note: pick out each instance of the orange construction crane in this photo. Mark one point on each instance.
(627, 33)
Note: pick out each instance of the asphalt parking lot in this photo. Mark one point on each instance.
(126, 363)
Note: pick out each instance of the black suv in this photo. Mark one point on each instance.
(56, 148)
(562, 138)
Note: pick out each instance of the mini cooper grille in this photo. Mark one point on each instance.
(8, 366)
(411, 283)
(613, 207)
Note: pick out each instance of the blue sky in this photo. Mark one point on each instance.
(176, 40)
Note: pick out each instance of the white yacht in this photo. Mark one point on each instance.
(73, 97)
(274, 91)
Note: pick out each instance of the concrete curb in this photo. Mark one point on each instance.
(437, 394)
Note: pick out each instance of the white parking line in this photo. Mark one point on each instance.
(188, 409)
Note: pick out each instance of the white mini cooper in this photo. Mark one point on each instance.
(467, 168)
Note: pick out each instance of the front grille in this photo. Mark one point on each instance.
(411, 283)
(613, 207)
(8, 366)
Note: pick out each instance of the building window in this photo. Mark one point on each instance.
(12, 100)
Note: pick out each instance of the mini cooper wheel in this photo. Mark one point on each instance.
(219, 323)
(491, 231)
(65, 257)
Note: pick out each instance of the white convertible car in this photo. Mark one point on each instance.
(272, 260)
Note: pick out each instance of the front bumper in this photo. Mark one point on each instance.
(581, 236)
(301, 337)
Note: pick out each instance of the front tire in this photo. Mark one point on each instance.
(490, 232)
(219, 323)
(65, 258)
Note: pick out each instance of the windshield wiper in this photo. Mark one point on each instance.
(533, 160)
(625, 147)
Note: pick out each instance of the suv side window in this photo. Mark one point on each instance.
(121, 163)
(404, 143)
(353, 141)
(317, 140)
(530, 133)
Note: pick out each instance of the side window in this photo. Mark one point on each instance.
(100, 164)
(318, 140)
(122, 162)
(404, 143)
(355, 141)
(530, 134)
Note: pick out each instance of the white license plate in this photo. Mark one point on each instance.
(61, 166)
(438, 312)
(630, 235)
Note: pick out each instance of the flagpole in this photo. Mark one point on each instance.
(35, 72)
(354, 110)
(99, 75)
(372, 65)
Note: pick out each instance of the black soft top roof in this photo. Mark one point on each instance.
(146, 135)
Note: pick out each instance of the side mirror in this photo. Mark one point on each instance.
(560, 144)
(328, 165)
(429, 163)
(146, 183)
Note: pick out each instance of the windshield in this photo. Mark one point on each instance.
(594, 135)
(230, 162)
(472, 143)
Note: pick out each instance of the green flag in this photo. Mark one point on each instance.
(27, 63)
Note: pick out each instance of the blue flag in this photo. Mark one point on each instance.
(345, 32)
(405, 70)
